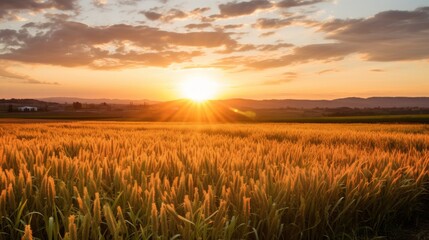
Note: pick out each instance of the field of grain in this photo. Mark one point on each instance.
(106, 180)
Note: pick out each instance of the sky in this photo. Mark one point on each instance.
(256, 49)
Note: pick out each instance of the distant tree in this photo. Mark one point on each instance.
(10, 108)
(105, 106)
(77, 105)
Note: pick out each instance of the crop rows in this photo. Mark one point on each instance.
(103, 180)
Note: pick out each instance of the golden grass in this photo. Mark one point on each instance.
(102, 180)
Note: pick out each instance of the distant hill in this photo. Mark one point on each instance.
(30, 102)
(96, 101)
(352, 102)
(11, 105)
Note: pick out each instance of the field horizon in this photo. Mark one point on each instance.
(345, 110)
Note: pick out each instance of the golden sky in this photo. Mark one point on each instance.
(260, 49)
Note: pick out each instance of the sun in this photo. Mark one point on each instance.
(199, 88)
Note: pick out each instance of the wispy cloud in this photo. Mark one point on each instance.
(276, 23)
(282, 79)
(267, 34)
(327, 71)
(19, 78)
(277, 81)
(298, 3)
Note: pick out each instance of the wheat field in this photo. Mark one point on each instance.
(108, 180)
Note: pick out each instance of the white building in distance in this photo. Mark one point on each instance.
(27, 109)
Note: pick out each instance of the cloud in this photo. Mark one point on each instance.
(71, 44)
(235, 9)
(169, 16)
(135, 59)
(275, 23)
(267, 34)
(8, 8)
(199, 11)
(285, 78)
(198, 25)
(53, 17)
(315, 52)
(99, 3)
(291, 74)
(274, 47)
(327, 71)
(15, 77)
(173, 14)
(387, 36)
(249, 47)
(232, 26)
(277, 81)
(151, 15)
(238, 48)
(377, 70)
(230, 62)
(297, 3)
(131, 2)
(271, 23)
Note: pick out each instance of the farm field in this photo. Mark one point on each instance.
(129, 180)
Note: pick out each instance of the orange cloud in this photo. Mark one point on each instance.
(314, 52)
(387, 36)
(8, 8)
(285, 78)
(327, 71)
(235, 9)
(20, 78)
(70, 44)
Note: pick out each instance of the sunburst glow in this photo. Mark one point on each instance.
(199, 88)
